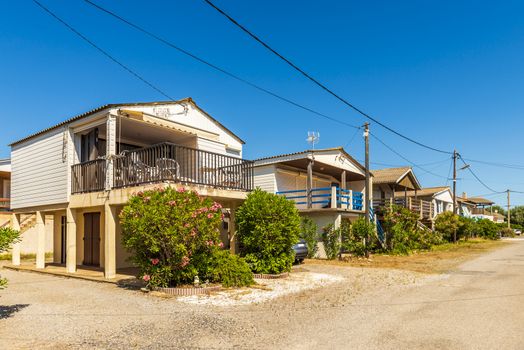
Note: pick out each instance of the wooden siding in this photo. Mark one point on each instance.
(39, 171)
(289, 182)
(211, 146)
(265, 178)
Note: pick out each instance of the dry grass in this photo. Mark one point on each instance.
(438, 260)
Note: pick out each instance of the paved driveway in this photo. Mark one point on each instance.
(478, 306)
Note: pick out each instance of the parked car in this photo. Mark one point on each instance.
(300, 251)
(517, 232)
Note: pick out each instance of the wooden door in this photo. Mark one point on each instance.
(63, 233)
(92, 239)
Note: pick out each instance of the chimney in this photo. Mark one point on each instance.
(464, 195)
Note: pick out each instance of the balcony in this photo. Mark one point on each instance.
(326, 197)
(165, 162)
(425, 209)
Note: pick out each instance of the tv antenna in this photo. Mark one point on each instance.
(313, 138)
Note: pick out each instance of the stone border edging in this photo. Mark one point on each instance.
(187, 291)
(267, 276)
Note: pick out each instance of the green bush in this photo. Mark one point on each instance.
(486, 228)
(8, 236)
(172, 235)
(359, 237)
(331, 237)
(230, 270)
(400, 225)
(466, 228)
(404, 234)
(507, 232)
(268, 226)
(447, 224)
(308, 232)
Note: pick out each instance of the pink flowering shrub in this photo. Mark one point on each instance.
(172, 235)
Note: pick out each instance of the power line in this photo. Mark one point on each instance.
(105, 53)
(407, 160)
(214, 66)
(502, 165)
(352, 138)
(449, 171)
(476, 177)
(318, 83)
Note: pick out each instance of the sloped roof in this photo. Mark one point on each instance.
(313, 151)
(394, 176)
(115, 105)
(480, 200)
(424, 192)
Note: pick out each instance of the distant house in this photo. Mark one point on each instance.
(400, 186)
(441, 198)
(326, 185)
(387, 182)
(479, 208)
(498, 218)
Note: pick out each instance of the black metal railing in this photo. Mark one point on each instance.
(171, 162)
(88, 176)
(165, 162)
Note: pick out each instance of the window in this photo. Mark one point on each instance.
(233, 152)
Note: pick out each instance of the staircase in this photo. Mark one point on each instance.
(381, 235)
(27, 221)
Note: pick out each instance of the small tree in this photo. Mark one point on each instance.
(331, 237)
(268, 226)
(172, 235)
(360, 232)
(447, 224)
(466, 228)
(400, 225)
(308, 232)
(8, 236)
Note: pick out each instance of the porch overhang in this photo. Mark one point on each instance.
(143, 117)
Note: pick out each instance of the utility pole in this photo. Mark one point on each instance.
(509, 207)
(455, 190)
(366, 192)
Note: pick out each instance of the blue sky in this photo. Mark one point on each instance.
(447, 73)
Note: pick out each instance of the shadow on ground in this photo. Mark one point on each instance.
(7, 311)
(131, 283)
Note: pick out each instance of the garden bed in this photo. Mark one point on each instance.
(188, 290)
(265, 290)
(269, 276)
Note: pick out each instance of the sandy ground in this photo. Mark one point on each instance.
(479, 305)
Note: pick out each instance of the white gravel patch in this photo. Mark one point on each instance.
(266, 289)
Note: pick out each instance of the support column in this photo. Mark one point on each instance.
(334, 203)
(15, 252)
(110, 242)
(232, 230)
(40, 233)
(71, 240)
(309, 183)
(110, 150)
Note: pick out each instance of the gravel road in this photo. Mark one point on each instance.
(477, 306)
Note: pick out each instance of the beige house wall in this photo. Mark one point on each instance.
(29, 239)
